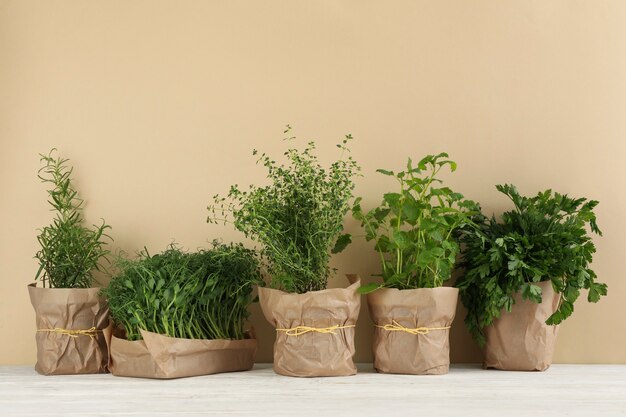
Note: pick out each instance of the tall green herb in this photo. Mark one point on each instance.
(544, 238)
(297, 218)
(415, 229)
(200, 295)
(70, 252)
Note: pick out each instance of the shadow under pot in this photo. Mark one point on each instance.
(314, 330)
(73, 330)
(412, 329)
(520, 340)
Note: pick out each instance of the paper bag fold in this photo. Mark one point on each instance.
(70, 309)
(313, 354)
(400, 352)
(163, 357)
(521, 340)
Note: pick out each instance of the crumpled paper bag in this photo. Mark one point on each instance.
(70, 309)
(163, 357)
(313, 354)
(521, 340)
(400, 352)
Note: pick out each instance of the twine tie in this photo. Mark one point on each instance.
(300, 330)
(92, 332)
(397, 327)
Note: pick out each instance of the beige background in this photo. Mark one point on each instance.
(159, 103)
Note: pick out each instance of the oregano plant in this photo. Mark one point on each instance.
(544, 238)
(70, 251)
(415, 229)
(297, 218)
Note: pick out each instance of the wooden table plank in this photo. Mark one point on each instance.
(564, 390)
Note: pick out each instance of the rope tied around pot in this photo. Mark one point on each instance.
(397, 327)
(300, 330)
(92, 332)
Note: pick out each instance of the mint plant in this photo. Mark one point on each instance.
(415, 229)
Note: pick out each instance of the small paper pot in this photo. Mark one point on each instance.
(163, 357)
(59, 313)
(521, 340)
(427, 314)
(311, 353)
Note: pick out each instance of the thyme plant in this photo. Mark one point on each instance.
(415, 229)
(297, 218)
(544, 238)
(200, 295)
(70, 252)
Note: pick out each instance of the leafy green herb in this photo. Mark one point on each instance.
(543, 239)
(70, 252)
(415, 228)
(298, 218)
(201, 295)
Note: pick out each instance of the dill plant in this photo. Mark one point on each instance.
(70, 252)
(297, 218)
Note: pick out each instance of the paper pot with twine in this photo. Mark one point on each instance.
(163, 357)
(520, 340)
(412, 329)
(73, 330)
(314, 331)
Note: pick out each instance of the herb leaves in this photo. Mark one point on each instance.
(298, 217)
(415, 229)
(544, 238)
(70, 252)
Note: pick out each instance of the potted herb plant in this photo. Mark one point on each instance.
(182, 314)
(298, 220)
(524, 273)
(415, 235)
(72, 320)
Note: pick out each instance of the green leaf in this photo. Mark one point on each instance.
(596, 290)
(401, 239)
(341, 243)
(531, 292)
(411, 211)
(368, 288)
(385, 172)
(381, 213)
(555, 319)
(392, 199)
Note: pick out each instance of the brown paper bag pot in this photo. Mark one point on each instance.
(399, 352)
(313, 354)
(521, 340)
(164, 357)
(70, 309)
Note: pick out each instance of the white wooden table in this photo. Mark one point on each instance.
(563, 390)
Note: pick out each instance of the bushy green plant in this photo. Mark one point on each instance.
(297, 218)
(200, 295)
(544, 238)
(70, 252)
(415, 229)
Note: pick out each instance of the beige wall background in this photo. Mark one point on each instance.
(159, 104)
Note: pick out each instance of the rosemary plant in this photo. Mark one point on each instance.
(70, 252)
